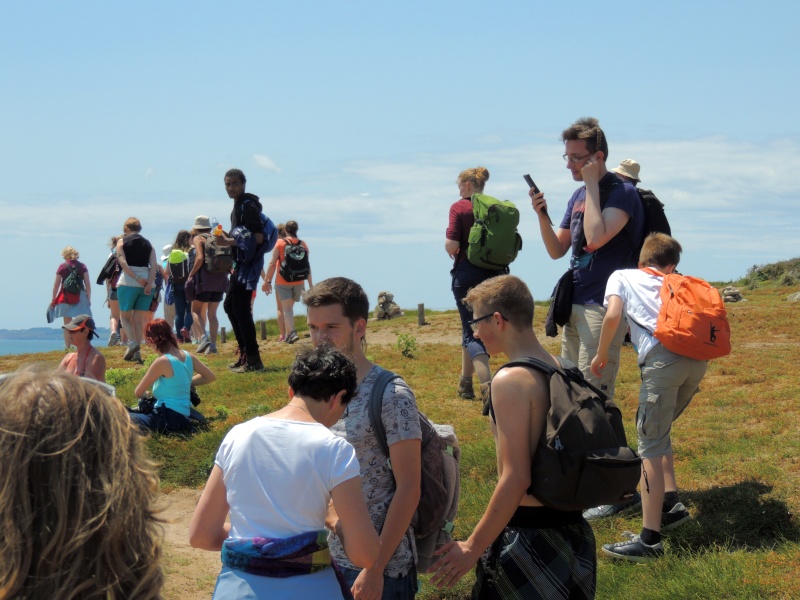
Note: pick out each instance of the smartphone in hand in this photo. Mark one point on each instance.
(535, 189)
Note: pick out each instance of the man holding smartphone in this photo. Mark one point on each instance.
(603, 227)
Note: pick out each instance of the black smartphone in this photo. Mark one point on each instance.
(535, 188)
(530, 183)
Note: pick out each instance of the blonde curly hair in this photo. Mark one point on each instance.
(77, 517)
(69, 253)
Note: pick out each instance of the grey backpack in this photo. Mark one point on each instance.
(441, 481)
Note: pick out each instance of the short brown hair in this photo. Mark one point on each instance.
(477, 176)
(660, 250)
(588, 129)
(133, 224)
(291, 228)
(340, 290)
(507, 295)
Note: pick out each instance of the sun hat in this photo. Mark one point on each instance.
(202, 222)
(165, 251)
(628, 168)
(81, 322)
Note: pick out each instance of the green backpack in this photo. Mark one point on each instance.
(493, 239)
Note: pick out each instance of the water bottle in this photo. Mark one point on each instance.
(214, 222)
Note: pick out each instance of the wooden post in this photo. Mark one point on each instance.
(222, 334)
(421, 314)
(263, 330)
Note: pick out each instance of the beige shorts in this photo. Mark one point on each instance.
(290, 292)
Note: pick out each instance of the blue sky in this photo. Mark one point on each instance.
(355, 118)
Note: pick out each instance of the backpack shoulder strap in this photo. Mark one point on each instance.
(375, 407)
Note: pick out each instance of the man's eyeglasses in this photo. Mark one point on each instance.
(575, 159)
(474, 322)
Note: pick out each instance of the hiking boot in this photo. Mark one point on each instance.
(137, 358)
(292, 338)
(212, 349)
(241, 359)
(185, 336)
(204, 344)
(609, 510)
(113, 339)
(250, 368)
(634, 550)
(676, 516)
(132, 349)
(465, 389)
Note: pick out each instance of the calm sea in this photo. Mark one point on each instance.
(29, 346)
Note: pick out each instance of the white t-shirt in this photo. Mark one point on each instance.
(641, 296)
(279, 475)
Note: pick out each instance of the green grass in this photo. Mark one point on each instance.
(737, 448)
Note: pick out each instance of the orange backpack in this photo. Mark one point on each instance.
(692, 321)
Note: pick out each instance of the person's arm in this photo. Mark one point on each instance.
(208, 529)
(199, 255)
(310, 284)
(599, 227)
(514, 394)
(273, 263)
(96, 369)
(607, 332)
(406, 468)
(451, 247)
(151, 273)
(159, 368)
(87, 286)
(557, 242)
(202, 374)
(359, 538)
(56, 287)
(123, 264)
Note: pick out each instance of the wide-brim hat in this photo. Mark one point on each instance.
(628, 168)
(82, 322)
(165, 251)
(202, 222)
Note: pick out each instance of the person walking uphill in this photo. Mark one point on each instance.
(246, 212)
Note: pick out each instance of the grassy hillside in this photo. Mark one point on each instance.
(737, 448)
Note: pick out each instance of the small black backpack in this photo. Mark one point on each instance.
(295, 266)
(73, 283)
(583, 459)
(655, 219)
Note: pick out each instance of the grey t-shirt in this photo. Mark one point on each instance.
(401, 421)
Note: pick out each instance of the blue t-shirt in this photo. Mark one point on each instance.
(174, 392)
(592, 269)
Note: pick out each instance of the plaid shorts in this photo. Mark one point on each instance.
(541, 554)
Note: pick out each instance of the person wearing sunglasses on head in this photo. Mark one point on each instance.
(87, 360)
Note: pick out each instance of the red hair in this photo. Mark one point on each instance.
(160, 334)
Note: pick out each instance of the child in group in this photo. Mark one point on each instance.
(669, 381)
(534, 551)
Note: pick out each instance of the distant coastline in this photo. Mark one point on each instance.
(41, 333)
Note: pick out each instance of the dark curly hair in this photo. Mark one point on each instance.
(322, 372)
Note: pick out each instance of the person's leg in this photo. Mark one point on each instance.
(588, 324)
(180, 310)
(213, 322)
(247, 327)
(67, 343)
(668, 467)
(229, 306)
(281, 325)
(169, 314)
(570, 340)
(652, 486)
(288, 316)
(199, 313)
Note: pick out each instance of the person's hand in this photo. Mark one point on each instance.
(458, 560)
(599, 363)
(148, 289)
(591, 171)
(538, 203)
(267, 287)
(368, 585)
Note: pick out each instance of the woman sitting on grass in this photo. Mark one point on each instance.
(172, 376)
(87, 360)
(77, 516)
(275, 475)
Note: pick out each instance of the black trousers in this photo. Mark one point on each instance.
(237, 307)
